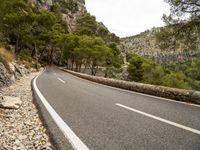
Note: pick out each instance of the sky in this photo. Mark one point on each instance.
(128, 17)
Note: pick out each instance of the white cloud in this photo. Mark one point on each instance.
(128, 17)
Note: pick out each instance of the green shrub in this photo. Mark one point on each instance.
(176, 80)
(1, 58)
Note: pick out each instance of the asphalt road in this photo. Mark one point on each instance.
(105, 118)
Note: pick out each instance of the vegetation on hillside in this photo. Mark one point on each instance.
(42, 35)
(181, 33)
(183, 26)
(185, 76)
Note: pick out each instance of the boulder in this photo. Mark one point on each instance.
(12, 78)
(4, 76)
(11, 67)
(10, 102)
(19, 71)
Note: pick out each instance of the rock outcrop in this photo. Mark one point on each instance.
(144, 44)
(5, 78)
(10, 102)
(71, 16)
(70, 9)
(10, 71)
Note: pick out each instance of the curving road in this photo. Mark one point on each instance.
(97, 117)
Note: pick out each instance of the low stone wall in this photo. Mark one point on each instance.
(160, 91)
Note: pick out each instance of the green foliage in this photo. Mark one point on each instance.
(87, 25)
(163, 38)
(89, 51)
(102, 32)
(66, 6)
(93, 50)
(185, 76)
(182, 7)
(1, 58)
(135, 68)
(190, 68)
(176, 80)
(181, 32)
(16, 22)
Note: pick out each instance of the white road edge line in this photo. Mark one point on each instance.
(160, 119)
(137, 93)
(61, 80)
(76, 143)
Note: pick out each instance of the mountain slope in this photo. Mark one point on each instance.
(70, 10)
(145, 44)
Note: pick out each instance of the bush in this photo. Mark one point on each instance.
(1, 58)
(184, 76)
(176, 80)
(27, 61)
(6, 55)
(135, 68)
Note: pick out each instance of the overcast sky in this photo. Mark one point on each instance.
(128, 17)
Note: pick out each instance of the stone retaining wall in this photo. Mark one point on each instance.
(160, 91)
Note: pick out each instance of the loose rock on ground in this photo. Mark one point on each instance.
(22, 129)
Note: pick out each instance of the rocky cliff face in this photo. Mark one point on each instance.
(70, 9)
(10, 71)
(71, 16)
(144, 44)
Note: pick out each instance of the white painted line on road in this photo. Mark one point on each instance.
(76, 143)
(61, 80)
(160, 119)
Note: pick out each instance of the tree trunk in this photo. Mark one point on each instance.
(17, 44)
(85, 68)
(106, 72)
(33, 53)
(93, 71)
(51, 55)
(76, 68)
(79, 69)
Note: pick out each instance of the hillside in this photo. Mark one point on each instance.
(69, 10)
(59, 32)
(145, 44)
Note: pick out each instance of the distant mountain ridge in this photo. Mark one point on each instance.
(144, 44)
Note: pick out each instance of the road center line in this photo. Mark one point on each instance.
(61, 80)
(160, 119)
(76, 143)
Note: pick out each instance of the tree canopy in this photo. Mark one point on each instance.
(183, 26)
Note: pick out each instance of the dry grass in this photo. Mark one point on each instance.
(6, 55)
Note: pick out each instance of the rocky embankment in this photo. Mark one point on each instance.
(20, 124)
(11, 71)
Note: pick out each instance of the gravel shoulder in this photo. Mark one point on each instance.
(22, 129)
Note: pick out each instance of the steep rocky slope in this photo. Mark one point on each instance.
(70, 9)
(11, 71)
(145, 44)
